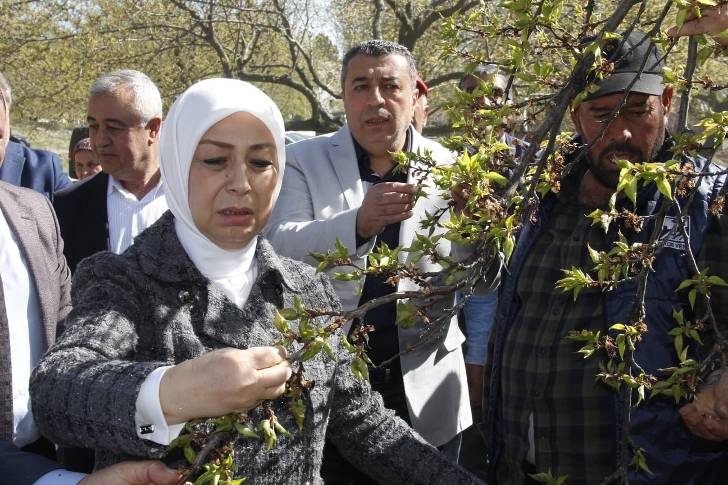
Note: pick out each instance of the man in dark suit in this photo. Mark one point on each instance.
(39, 170)
(106, 211)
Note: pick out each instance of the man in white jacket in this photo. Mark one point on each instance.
(343, 185)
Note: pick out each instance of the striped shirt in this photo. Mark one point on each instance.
(129, 216)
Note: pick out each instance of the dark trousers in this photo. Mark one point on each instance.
(73, 459)
(473, 453)
(43, 447)
(77, 459)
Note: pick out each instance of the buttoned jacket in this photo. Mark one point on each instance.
(151, 306)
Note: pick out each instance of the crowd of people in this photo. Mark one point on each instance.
(141, 297)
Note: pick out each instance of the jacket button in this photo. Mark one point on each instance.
(184, 296)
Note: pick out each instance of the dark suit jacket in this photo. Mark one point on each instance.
(19, 467)
(32, 220)
(38, 170)
(81, 210)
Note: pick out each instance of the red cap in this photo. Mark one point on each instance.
(422, 86)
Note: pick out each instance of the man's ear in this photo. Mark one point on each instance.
(154, 126)
(575, 120)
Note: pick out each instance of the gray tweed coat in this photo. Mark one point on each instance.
(151, 307)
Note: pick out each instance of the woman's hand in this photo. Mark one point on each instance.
(223, 381)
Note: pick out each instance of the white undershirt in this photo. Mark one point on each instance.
(25, 330)
(128, 216)
(60, 477)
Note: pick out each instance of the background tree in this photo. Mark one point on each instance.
(290, 48)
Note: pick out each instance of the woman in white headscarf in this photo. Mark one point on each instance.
(180, 325)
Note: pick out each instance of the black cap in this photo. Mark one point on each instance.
(628, 54)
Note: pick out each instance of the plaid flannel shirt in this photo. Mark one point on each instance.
(548, 390)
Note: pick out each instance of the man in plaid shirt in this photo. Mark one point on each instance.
(545, 409)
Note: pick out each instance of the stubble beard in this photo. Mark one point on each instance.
(610, 178)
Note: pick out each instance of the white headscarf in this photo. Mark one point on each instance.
(202, 105)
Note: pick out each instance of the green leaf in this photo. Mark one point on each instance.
(280, 323)
(695, 336)
(269, 435)
(621, 347)
(406, 312)
(289, 313)
(640, 460)
(190, 454)
(704, 54)
(683, 359)
(245, 431)
(691, 298)
(508, 245)
(347, 345)
(678, 316)
(664, 187)
(681, 16)
(206, 477)
(631, 190)
(593, 254)
(280, 429)
(328, 351)
(342, 251)
(685, 284)
(180, 441)
(298, 409)
(313, 349)
(497, 178)
(717, 281)
(360, 369)
(354, 275)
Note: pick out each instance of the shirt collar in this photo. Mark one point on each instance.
(364, 162)
(115, 186)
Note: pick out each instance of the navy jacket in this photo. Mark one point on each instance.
(19, 467)
(39, 170)
(673, 453)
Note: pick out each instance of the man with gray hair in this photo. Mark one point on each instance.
(39, 170)
(344, 185)
(107, 211)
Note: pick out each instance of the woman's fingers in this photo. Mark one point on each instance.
(264, 357)
(275, 375)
